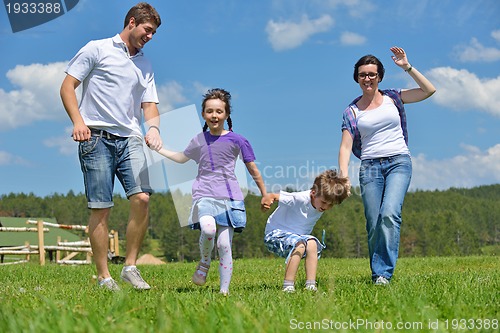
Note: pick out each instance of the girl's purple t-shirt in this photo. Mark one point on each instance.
(216, 158)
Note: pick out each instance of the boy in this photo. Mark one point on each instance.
(289, 227)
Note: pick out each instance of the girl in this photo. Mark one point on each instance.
(218, 205)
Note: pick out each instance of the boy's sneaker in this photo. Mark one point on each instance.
(289, 289)
(133, 276)
(109, 284)
(311, 287)
(381, 281)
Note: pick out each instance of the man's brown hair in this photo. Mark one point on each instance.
(143, 12)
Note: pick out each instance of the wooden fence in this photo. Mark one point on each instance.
(71, 249)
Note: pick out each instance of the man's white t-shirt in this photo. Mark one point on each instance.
(114, 86)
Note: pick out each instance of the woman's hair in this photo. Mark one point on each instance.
(223, 95)
(143, 12)
(369, 60)
(331, 187)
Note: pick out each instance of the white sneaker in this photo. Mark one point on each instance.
(133, 276)
(109, 284)
(381, 281)
(289, 289)
(311, 287)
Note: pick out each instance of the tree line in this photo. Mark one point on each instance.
(454, 222)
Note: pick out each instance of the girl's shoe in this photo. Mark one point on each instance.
(198, 278)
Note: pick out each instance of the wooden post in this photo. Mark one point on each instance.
(58, 253)
(111, 243)
(41, 249)
(67, 253)
(89, 257)
(117, 244)
(27, 244)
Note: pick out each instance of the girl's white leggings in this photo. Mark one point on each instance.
(224, 241)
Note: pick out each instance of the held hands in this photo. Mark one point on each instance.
(153, 139)
(400, 58)
(348, 182)
(267, 201)
(348, 186)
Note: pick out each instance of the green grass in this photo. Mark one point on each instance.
(426, 295)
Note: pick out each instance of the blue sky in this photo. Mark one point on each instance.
(288, 65)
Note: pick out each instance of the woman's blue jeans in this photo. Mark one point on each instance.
(384, 183)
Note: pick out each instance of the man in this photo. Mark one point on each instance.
(118, 82)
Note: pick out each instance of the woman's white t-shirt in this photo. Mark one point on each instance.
(380, 130)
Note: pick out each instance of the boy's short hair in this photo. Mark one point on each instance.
(331, 187)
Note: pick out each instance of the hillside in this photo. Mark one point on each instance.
(435, 223)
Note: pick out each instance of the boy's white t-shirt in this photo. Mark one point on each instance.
(294, 214)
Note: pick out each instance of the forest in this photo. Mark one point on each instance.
(454, 222)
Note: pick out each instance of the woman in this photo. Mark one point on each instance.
(374, 129)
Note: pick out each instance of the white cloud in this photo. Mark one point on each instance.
(200, 88)
(463, 90)
(472, 168)
(496, 35)
(36, 97)
(355, 8)
(289, 35)
(65, 144)
(7, 158)
(476, 52)
(170, 94)
(352, 38)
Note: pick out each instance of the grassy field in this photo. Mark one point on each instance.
(458, 294)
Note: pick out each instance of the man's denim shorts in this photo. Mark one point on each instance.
(104, 157)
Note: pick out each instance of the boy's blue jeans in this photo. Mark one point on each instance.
(384, 183)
